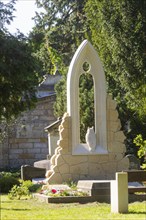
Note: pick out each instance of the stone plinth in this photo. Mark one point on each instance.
(98, 188)
(119, 193)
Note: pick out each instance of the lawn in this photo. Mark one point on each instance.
(32, 209)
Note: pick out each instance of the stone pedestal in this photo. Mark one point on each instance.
(119, 193)
(99, 189)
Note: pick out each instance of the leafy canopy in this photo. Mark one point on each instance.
(19, 69)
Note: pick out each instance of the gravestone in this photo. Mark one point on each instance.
(134, 163)
(103, 153)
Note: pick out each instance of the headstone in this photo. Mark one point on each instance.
(30, 172)
(96, 188)
(134, 163)
(119, 193)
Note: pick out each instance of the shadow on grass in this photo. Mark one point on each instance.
(15, 209)
(134, 212)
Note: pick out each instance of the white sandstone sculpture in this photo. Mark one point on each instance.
(91, 139)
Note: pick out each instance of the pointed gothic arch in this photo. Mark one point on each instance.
(86, 53)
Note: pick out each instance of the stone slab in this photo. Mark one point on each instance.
(42, 164)
(95, 187)
(68, 199)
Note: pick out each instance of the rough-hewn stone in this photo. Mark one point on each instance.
(100, 166)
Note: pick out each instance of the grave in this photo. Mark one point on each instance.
(134, 162)
(103, 153)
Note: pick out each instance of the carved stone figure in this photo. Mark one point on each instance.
(91, 139)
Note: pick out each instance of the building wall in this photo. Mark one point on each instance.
(28, 141)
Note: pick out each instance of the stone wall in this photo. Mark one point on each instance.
(28, 141)
(65, 166)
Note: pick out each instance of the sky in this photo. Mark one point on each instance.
(25, 10)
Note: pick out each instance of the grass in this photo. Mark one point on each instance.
(32, 209)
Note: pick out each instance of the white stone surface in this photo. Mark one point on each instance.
(86, 53)
(119, 193)
(91, 139)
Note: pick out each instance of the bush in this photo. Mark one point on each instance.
(10, 174)
(18, 191)
(7, 182)
(25, 189)
(31, 186)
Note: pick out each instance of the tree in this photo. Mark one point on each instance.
(118, 32)
(6, 13)
(139, 142)
(62, 27)
(19, 69)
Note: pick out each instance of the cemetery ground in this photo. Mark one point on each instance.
(32, 209)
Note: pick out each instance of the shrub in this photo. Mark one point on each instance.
(18, 191)
(31, 186)
(139, 142)
(25, 189)
(7, 182)
(9, 174)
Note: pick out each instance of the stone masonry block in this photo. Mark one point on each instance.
(55, 169)
(64, 133)
(119, 136)
(112, 104)
(110, 136)
(103, 158)
(116, 147)
(93, 158)
(60, 127)
(112, 157)
(66, 177)
(26, 145)
(123, 164)
(112, 115)
(114, 125)
(52, 161)
(40, 145)
(15, 151)
(60, 161)
(64, 168)
(63, 143)
(73, 160)
(55, 178)
(56, 159)
(26, 156)
(58, 150)
(95, 169)
(81, 168)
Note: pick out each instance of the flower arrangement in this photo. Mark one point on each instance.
(54, 192)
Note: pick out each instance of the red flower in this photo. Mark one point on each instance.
(54, 191)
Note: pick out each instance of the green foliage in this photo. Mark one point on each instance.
(10, 174)
(7, 182)
(118, 30)
(72, 184)
(19, 69)
(18, 191)
(59, 29)
(6, 13)
(60, 104)
(23, 190)
(18, 76)
(86, 100)
(139, 142)
(118, 33)
(31, 186)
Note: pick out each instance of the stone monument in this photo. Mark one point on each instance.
(103, 153)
